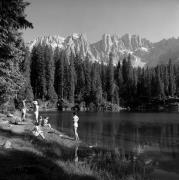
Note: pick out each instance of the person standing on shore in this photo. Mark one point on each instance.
(75, 125)
(36, 111)
(24, 110)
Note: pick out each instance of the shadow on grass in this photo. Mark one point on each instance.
(22, 165)
(50, 149)
(27, 165)
(49, 159)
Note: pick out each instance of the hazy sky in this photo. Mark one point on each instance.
(152, 19)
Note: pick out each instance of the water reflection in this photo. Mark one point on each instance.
(76, 152)
(150, 136)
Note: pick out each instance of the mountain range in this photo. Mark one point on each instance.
(142, 51)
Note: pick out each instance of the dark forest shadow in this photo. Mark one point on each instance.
(24, 164)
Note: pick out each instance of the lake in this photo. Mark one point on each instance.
(152, 136)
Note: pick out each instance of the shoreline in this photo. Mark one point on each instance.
(54, 157)
(58, 156)
(25, 128)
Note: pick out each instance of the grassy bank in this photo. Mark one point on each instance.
(57, 157)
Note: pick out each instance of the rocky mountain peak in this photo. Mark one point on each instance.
(141, 50)
(53, 41)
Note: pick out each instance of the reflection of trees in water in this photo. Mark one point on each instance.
(121, 163)
(150, 141)
(163, 136)
(126, 134)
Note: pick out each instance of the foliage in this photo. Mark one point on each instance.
(42, 73)
(77, 80)
(12, 19)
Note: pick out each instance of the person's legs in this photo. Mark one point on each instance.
(42, 135)
(36, 117)
(76, 134)
(23, 115)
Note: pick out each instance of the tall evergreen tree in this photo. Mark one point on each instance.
(103, 79)
(124, 69)
(41, 74)
(26, 90)
(166, 81)
(38, 79)
(127, 72)
(96, 87)
(119, 78)
(12, 19)
(66, 78)
(159, 84)
(172, 85)
(49, 73)
(72, 79)
(59, 74)
(87, 89)
(80, 84)
(56, 59)
(110, 78)
(33, 67)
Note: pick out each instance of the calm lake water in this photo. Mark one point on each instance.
(153, 136)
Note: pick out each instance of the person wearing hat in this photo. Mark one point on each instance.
(36, 111)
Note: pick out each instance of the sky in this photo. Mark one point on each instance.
(151, 19)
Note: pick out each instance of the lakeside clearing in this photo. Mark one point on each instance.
(24, 156)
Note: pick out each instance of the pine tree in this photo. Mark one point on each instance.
(159, 84)
(119, 78)
(49, 74)
(72, 77)
(87, 89)
(26, 90)
(56, 59)
(127, 72)
(103, 74)
(12, 19)
(166, 81)
(177, 80)
(80, 84)
(110, 79)
(172, 84)
(96, 87)
(66, 78)
(38, 79)
(124, 69)
(33, 67)
(41, 74)
(59, 74)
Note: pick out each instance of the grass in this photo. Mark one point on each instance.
(32, 158)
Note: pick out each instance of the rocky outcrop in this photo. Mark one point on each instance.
(142, 51)
(121, 47)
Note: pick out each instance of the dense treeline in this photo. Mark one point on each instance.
(51, 75)
(62, 75)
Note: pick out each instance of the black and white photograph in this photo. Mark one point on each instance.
(89, 89)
